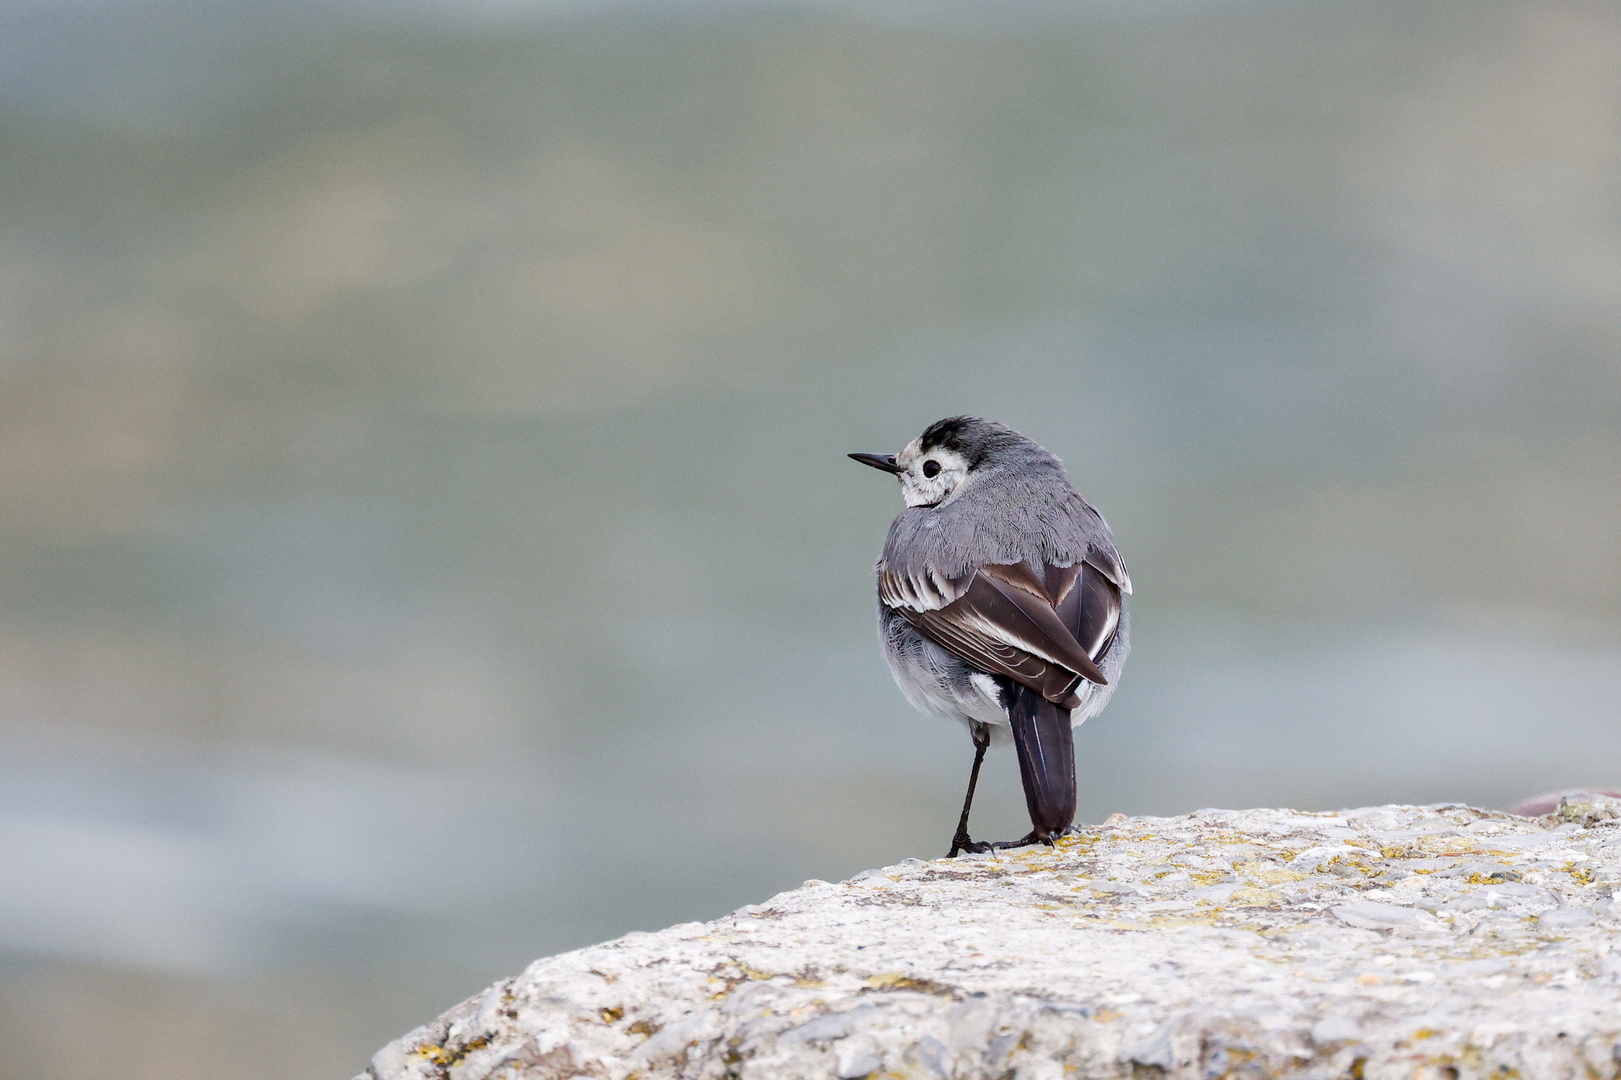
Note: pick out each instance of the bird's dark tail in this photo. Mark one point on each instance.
(1046, 745)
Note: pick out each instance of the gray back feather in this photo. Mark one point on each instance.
(1016, 506)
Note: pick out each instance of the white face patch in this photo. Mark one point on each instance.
(932, 477)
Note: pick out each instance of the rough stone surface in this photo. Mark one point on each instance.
(1393, 941)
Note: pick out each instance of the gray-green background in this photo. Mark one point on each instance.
(426, 540)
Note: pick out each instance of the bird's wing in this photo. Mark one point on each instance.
(1002, 620)
(1086, 602)
(1092, 610)
(1101, 556)
(921, 589)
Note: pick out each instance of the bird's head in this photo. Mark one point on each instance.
(934, 467)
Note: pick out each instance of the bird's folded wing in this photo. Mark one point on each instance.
(1102, 555)
(923, 589)
(1000, 624)
(1050, 583)
(1100, 551)
(1086, 602)
(1092, 610)
(1055, 638)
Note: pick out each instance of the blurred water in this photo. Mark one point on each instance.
(425, 536)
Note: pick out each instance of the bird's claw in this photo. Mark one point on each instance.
(962, 843)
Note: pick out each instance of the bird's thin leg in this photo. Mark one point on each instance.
(961, 842)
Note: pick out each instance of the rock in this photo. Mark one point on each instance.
(1543, 805)
(1589, 808)
(1387, 942)
(1385, 917)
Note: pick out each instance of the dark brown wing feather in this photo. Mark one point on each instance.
(1102, 556)
(1052, 583)
(1004, 623)
(988, 654)
(1092, 611)
(1021, 576)
(1100, 612)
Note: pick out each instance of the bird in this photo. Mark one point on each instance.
(1001, 605)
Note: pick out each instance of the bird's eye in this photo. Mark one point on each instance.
(931, 468)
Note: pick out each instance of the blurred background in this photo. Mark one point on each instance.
(426, 541)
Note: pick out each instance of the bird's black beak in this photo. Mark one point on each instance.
(886, 462)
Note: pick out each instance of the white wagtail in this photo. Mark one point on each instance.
(1001, 604)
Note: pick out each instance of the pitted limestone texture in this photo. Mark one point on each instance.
(1382, 943)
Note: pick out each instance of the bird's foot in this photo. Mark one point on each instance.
(1032, 837)
(962, 843)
